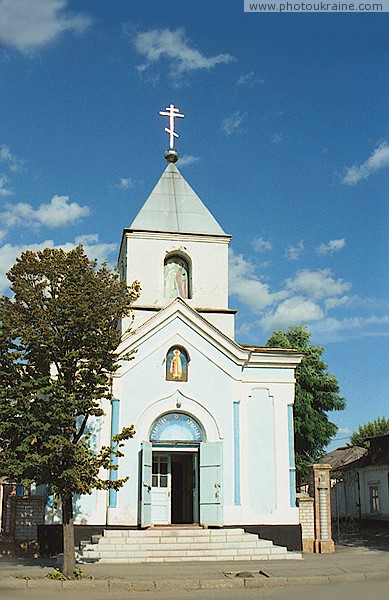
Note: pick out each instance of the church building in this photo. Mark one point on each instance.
(213, 417)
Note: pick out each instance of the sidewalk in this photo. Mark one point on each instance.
(346, 565)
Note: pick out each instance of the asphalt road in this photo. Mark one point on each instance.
(377, 590)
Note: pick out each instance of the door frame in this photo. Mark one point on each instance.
(208, 480)
(163, 448)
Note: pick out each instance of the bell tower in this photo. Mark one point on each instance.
(176, 248)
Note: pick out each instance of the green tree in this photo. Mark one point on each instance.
(316, 394)
(59, 337)
(379, 426)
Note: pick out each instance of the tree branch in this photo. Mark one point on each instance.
(80, 432)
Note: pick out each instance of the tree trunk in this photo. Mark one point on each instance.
(69, 555)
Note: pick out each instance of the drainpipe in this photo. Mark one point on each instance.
(113, 475)
(247, 360)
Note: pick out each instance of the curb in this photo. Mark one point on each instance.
(120, 585)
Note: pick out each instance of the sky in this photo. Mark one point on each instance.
(285, 139)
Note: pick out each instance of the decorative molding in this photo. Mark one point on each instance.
(237, 499)
(177, 236)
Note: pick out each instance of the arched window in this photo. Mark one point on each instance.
(177, 364)
(176, 277)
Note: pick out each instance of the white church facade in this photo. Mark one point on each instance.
(213, 418)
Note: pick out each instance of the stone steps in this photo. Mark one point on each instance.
(178, 545)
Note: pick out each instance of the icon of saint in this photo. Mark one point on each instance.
(176, 279)
(176, 365)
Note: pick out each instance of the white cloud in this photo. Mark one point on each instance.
(245, 284)
(87, 239)
(250, 79)
(295, 252)
(245, 329)
(307, 297)
(261, 245)
(277, 138)
(331, 247)
(379, 159)
(125, 183)
(174, 45)
(27, 25)
(188, 159)
(14, 164)
(60, 212)
(331, 303)
(57, 213)
(233, 123)
(344, 431)
(3, 190)
(96, 249)
(334, 330)
(92, 246)
(292, 310)
(317, 284)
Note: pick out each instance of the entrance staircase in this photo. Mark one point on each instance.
(178, 545)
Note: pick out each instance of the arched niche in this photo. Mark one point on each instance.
(177, 276)
(177, 364)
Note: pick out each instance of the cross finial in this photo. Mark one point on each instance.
(172, 112)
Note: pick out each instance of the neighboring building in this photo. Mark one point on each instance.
(373, 471)
(343, 457)
(344, 488)
(362, 486)
(213, 418)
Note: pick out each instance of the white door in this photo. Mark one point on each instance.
(161, 489)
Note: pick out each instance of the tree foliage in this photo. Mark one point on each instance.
(379, 426)
(59, 337)
(316, 394)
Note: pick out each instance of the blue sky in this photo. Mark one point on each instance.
(286, 140)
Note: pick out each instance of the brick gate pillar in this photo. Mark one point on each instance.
(307, 521)
(320, 490)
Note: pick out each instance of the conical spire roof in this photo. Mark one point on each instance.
(174, 207)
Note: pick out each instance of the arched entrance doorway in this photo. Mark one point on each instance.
(180, 480)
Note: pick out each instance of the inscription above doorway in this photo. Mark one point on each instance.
(176, 427)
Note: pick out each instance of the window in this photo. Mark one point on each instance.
(160, 472)
(177, 364)
(374, 499)
(176, 277)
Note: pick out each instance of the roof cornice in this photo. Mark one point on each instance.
(177, 235)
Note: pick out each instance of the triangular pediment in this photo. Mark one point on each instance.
(178, 309)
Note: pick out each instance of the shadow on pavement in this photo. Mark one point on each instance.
(373, 535)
